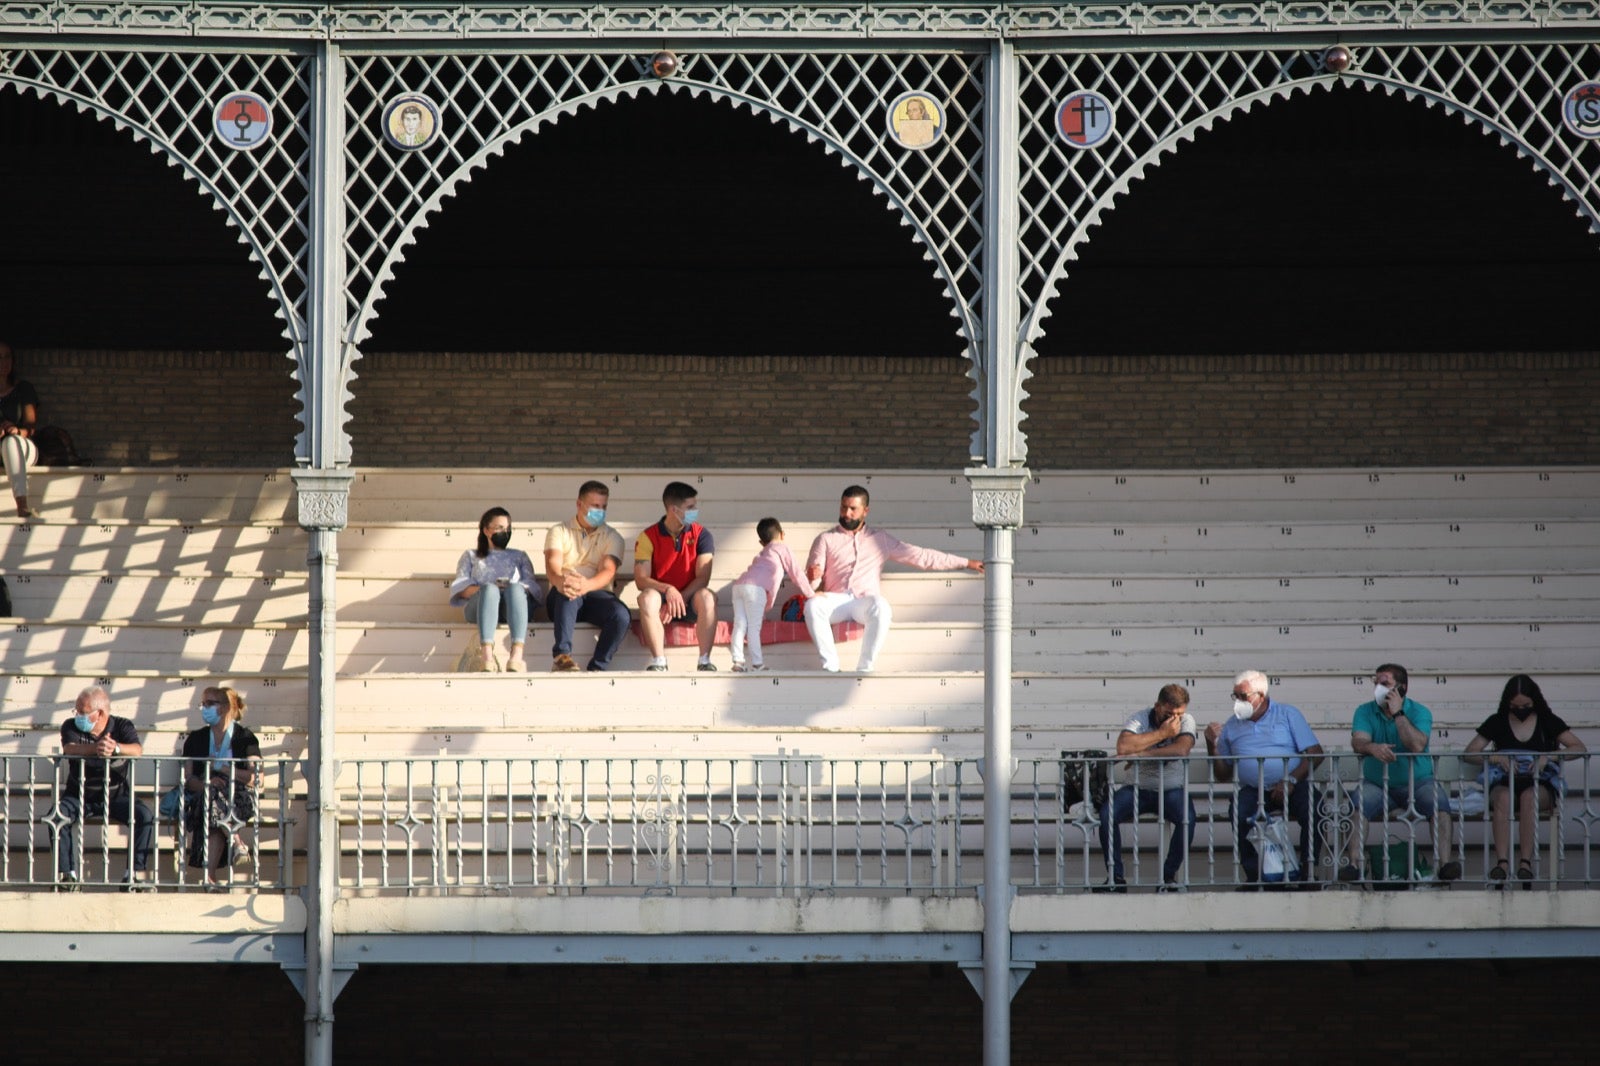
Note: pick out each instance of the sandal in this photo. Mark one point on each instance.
(1501, 869)
(1525, 873)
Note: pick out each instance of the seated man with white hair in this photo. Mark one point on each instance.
(1274, 751)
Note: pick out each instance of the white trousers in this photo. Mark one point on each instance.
(19, 454)
(826, 608)
(749, 608)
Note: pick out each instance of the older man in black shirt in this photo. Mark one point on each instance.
(97, 745)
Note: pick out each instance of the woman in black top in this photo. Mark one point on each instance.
(1529, 741)
(219, 782)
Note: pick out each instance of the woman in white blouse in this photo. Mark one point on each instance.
(494, 584)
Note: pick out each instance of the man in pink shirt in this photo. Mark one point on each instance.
(849, 560)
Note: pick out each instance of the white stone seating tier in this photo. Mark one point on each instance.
(156, 581)
(537, 498)
(114, 646)
(505, 715)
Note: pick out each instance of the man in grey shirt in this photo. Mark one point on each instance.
(1156, 742)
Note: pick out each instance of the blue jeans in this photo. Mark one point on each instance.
(493, 604)
(1373, 800)
(598, 608)
(1245, 805)
(1170, 804)
(114, 808)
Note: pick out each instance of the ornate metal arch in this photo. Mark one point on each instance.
(489, 100)
(1066, 192)
(419, 220)
(164, 100)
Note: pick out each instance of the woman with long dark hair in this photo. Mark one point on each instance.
(1528, 741)
(494, 584)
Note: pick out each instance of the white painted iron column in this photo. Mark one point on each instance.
(324, 496)
(997, 489)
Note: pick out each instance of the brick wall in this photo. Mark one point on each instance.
(1314, 410)
(563, 410)
(804, 1015)
(169, 408)
(1132, 412)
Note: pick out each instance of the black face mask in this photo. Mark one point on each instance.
(500, 540)
(850, 524)
(1521, 714)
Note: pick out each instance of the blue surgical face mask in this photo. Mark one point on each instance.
(595, 516)
(691, 515)
(209, 714)
(84, 723)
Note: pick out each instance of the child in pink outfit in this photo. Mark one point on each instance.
(757, 589)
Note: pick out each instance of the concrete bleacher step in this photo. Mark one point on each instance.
(1486, 544)
(277, 704)
(118, 545)
(222, 599)
(160, 596)
(1311, 494)
(451, 495)
(114, 645)
(514, 716)
(166, 494)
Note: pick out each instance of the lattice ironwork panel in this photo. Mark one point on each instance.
(167, 99)
(489, 100)
(1164, 98)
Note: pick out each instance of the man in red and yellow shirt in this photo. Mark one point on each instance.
(672, 568)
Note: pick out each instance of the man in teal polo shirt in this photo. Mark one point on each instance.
(1391, 733)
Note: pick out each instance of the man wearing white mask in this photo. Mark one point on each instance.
(1392, 732)
(1275, 751)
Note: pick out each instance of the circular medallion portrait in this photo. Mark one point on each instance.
(915, 121)
(411, 121)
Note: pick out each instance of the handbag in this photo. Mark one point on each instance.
(1078, 767)
(1278, 859)
(171, 806)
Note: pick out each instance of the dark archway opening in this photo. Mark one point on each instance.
(666, 225)
(1335, 222)
(107, 247)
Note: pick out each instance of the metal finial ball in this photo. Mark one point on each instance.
(1337, 59)
(663, 64)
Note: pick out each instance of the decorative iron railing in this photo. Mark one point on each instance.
(796, 826)
(69, 830)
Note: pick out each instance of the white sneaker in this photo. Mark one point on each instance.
(739, 667)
